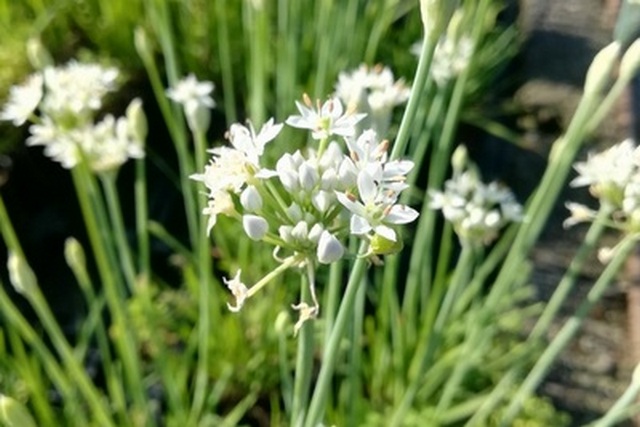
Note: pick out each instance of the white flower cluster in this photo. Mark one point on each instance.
(477, 211)
(373, 91)
(313, 199)
(613, 176)
(451, 57)
(195, 97)
(62, 102)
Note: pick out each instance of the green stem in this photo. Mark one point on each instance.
(542, 366)
(419, 81)
(125, 342)
(330, 354)
(304, 358)
(628, 397)
(330, 305)
(425, 353)
(115, 213)
(59, 378)
(564, 288)
(205, 307)
(142, 220)
(354, 377)
(226, 69)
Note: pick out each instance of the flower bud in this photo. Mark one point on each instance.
(76, 260)
(38, 55)
(137, 120)
(20, 274)
(315, 232)
(630, 62)
(282, 319)
(255, 226)
(322, 201)
(329, 248)
(599, 72)
(382, 246)
(142, 44)
(459, 159)
(251, 199)
(284, 231)
(14, 413)
(308, 176)
(300, 232)
(198, 116)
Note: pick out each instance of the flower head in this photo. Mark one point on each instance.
(77, 88)
(609, 172)
(323, 121)
(476, 210)
(23, 100)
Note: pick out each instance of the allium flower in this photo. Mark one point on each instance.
(67, 99)
(372, 91)
(239, 291)
(609, 172)
(579, 213)
(190, 92)
(450, 59)
(23, 100)
(231, 168)
(476, 210)
(370, 155)
(219, 202)
(77, 88)
(374, 212)
(106, 145)
(109, 144)
(245, 139)
(195, 97)
(323, 121)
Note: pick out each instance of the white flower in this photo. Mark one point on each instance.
(245, 139)
(220, 202)
(609, 172)
(374, 213)
(579, 213)
(451, 58)
(190, 92)
(23, 100)
(323, 121)
(370, 155)
(195, 97)
(231, 168)
(372, 91)
(108, 144)
(255, 226)
(77, 88)
(239, 291)
(329, 248)
(307, 312)
(477, 211)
